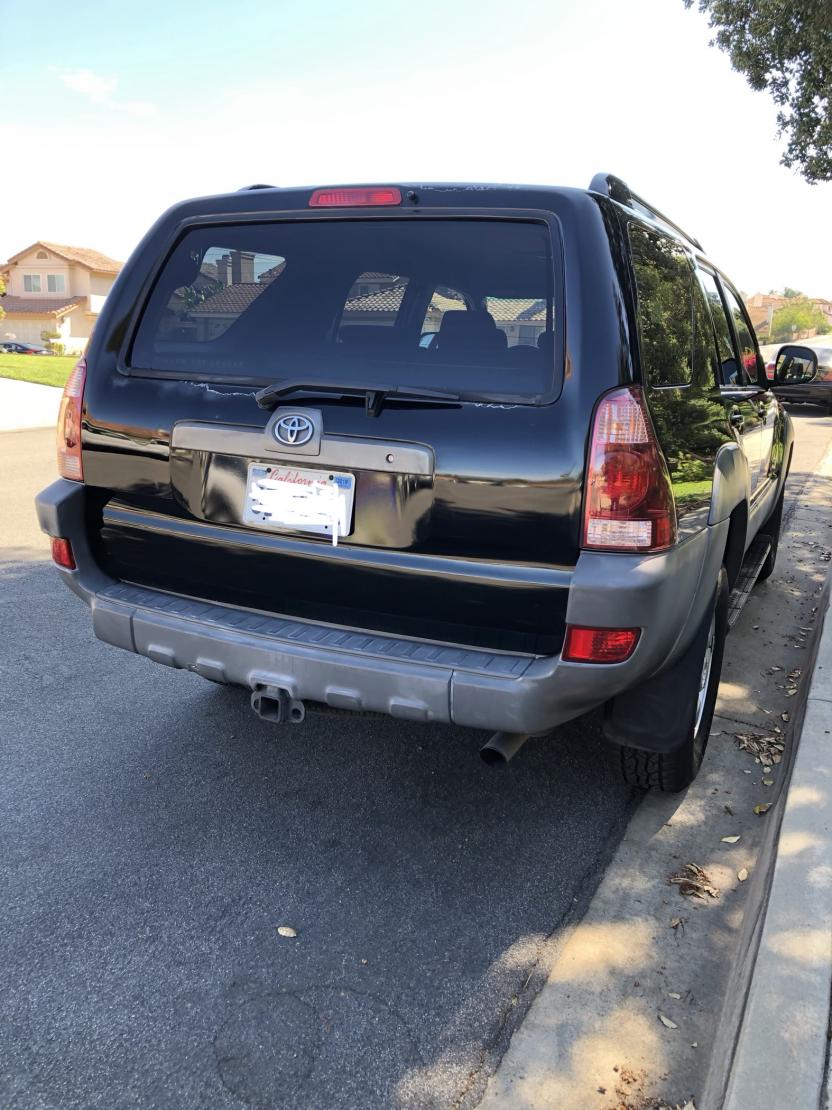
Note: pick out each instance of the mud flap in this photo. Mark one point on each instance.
(658, 715)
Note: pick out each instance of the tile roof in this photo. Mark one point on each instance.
(95, 260)
(271, 274)
(516, 308)
(38, 306)
(758, 316)
(440, 303)
(385, 300)
(231, 301)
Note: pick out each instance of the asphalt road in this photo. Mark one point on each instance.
(154, 834)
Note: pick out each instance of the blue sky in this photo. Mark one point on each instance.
(123, 109)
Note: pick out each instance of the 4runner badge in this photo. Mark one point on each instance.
(293, 430)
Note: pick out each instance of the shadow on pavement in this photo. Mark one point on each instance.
(156, 834)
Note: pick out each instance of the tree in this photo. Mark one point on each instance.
(784, 46)
(790, 293)
(797, 316)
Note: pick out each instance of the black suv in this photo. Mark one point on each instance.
(482, 454)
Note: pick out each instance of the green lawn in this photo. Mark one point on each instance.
(43, 369)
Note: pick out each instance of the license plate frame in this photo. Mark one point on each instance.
(299, 499)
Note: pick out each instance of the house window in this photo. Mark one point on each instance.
(41, 254)
(31, 283)
(55, 283)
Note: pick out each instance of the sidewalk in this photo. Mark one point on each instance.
(781, 1056)
(25, 405)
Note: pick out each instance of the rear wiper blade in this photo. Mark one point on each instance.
(375, 395)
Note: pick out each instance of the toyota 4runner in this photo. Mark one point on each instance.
(481, 454)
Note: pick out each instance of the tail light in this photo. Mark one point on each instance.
(366, 197)
(69, 424)
(629, 500)
(62, 553)
(599, 645)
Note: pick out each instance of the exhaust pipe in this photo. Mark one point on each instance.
(273, 703)
(502, 747)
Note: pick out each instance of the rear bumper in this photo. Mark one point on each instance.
(664, 595)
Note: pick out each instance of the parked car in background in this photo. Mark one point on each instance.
(12, 347)
(269, 479)
(816, 392)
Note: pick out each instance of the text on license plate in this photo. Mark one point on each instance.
(304, 500)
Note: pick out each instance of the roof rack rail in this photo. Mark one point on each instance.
(248, 188)
(613, 187)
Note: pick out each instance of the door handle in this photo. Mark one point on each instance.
(737, 420)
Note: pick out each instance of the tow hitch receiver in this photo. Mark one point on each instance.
(274, 703)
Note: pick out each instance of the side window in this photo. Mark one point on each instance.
(521, 319)
(373, 300)
(705, 364)
(730, 371)
(664, 281)
(443, 300)
(221, 286)
(745, 337)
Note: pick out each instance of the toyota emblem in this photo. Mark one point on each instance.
(293, 430)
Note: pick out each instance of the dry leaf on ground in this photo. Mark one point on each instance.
(765, 749)
(667, 1023)
(742, 874)
(286, 931)
(730, 839)
(762, 807)
(693, 881)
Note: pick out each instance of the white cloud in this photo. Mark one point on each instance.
(96, 88)
(99, 89)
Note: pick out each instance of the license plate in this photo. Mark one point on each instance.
(318, 501)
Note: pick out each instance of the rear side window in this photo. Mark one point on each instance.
(731, 371)
(461, 305)
(664, 279)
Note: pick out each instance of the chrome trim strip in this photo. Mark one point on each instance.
(389, 456)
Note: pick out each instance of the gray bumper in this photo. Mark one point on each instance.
(665, 595)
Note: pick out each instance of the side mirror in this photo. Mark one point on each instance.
(795, 366)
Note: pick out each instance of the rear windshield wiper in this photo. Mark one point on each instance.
(375, 394)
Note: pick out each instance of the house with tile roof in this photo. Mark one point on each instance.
(55, 288)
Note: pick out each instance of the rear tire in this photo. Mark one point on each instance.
(675, 769)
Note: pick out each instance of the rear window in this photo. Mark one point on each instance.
(461, 305)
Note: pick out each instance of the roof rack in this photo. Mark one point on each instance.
(613, 187)
(247, 188)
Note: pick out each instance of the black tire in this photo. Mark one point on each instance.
(675, 768)
(771, 529)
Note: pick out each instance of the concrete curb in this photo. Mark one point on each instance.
(781, 1053)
